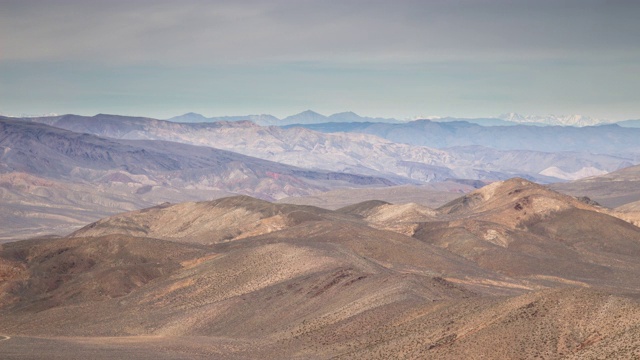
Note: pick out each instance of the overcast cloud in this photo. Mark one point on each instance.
(386, 58)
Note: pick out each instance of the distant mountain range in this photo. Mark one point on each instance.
(197, 118)
(51, 178)
(629, 123)
(570, 120)
(153, 239)
(96, 165)
(603, 139)
(421, 150)
(614, 189)
(305, 117)
(310, 117)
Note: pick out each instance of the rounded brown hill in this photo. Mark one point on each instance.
(269, 287)
(529, 232)
(328, 285)
(511, 202)
(206, 222)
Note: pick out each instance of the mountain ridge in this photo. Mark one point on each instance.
(562, 120)
(609, 139)
(63, 178)
(305, 117)
(352, 152)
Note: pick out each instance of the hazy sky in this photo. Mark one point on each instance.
(389, 58)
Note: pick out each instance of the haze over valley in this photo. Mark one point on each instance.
(435, 250)
(319, 179)
(100, 165)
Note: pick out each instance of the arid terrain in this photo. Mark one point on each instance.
(145, 242)
(58, 173)
(511, 270)
(311, 180)
(53, 181)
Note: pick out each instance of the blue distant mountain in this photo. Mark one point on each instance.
(306, 117)
(602, 139)
(629, 123)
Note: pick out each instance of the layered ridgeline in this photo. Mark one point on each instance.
(305, 117)
(601, 139)
(512, 270)
(53, 179)
(614, 189)
(311, 117)
(619, 190)
(422, 150)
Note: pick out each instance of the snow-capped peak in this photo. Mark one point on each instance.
(29, 115)
(562, 120)
(424, 117)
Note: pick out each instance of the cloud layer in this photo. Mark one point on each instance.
(445, 45)
(202, 32)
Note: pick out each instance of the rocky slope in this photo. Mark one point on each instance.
(526, 231)
(510, 270)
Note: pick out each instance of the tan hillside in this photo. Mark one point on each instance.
(207, 222)
(526, 231)
(401, 218)
(512, 270)
(511, 203)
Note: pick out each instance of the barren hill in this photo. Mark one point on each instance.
(511, 203)
(525, 230)
(242, 278)
(207, 222)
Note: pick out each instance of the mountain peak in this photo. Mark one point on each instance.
(347, 116)
(305, 117)
(309, 112)
(189, 117)
(512, 201)
(345, 113)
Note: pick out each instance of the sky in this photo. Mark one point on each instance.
(386, 58)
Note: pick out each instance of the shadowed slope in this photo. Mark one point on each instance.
(303, 282)
(264, 287)
(41, 274)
